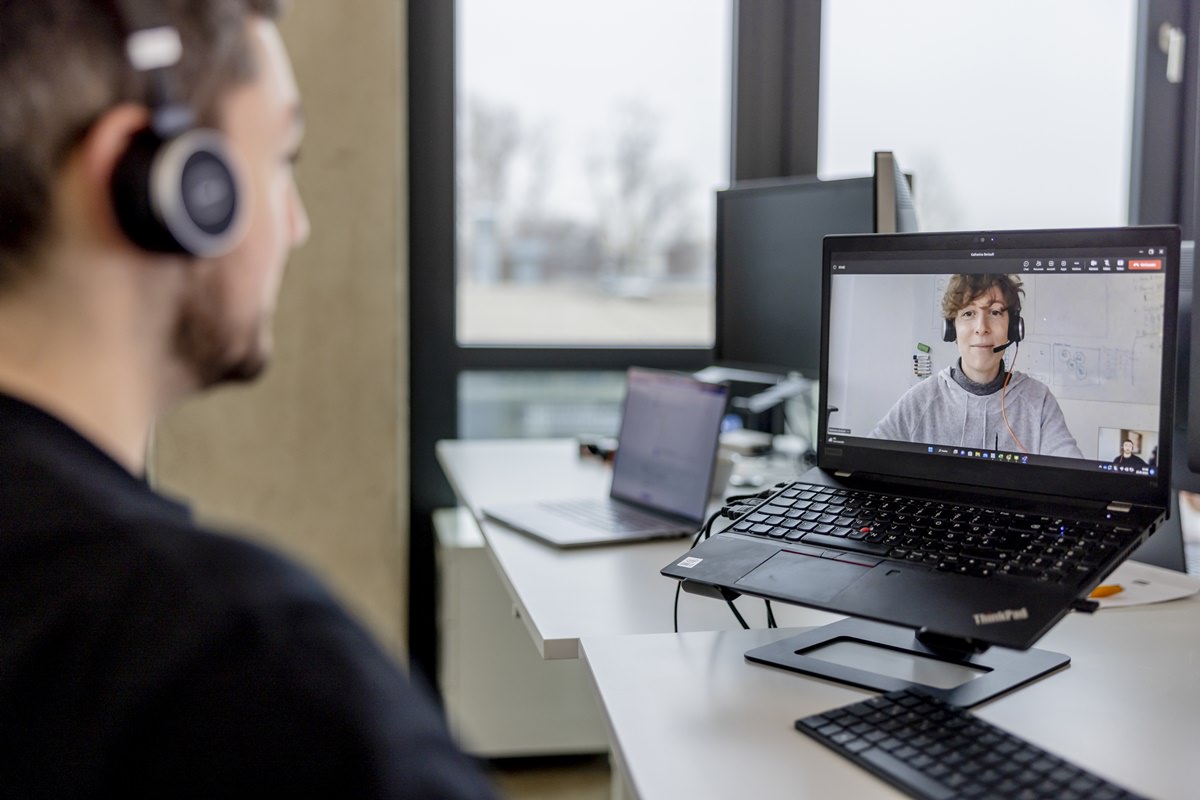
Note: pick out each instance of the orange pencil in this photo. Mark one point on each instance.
(1107, 590)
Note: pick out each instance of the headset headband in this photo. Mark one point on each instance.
(153, 47)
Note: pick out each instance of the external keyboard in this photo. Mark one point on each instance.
(930, 749)
(969, 540)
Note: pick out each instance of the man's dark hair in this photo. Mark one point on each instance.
(964, 288)
(63, 65)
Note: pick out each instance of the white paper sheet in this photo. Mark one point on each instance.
(1142, 584)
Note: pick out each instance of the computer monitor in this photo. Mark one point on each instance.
(769, 234)
(768, 292)
(769, 237)
(895, 211)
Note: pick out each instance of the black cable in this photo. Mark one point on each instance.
(735, 508)
(703, 532)
(771, 623)
(678, 588)
(740, 619)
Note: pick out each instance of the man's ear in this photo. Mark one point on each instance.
(97, 156)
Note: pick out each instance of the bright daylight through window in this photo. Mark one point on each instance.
(591, 140)
(1008, 113)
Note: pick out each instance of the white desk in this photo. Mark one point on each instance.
(689, 717)
(563, 595)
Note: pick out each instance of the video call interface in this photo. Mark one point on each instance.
(1093, 338)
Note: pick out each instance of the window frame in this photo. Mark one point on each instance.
(1163, 179)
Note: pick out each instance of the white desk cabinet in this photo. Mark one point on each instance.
(502, 698)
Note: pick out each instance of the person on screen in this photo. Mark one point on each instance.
(976, 402)
(143, 653)
(1127, 459)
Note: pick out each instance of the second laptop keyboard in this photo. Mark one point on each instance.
(610, 516)
(969, 540)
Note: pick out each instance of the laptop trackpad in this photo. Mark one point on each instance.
(804, 578)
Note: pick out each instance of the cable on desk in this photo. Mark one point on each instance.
(704, 532)
(735, 508)
(737, 614)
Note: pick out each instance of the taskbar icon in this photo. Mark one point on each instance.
(993, 455)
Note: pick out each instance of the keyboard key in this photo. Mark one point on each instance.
(818, 539)
(916, 781)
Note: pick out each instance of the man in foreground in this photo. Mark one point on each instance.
(147, 207)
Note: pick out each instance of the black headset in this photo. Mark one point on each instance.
(1016, 329)
(175, 190)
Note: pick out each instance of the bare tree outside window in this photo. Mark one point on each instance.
(585, 215)
(648, 227)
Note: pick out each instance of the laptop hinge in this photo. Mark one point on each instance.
(842, 473)
(1120, 506)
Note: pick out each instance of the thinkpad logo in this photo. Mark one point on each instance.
(1007, 615)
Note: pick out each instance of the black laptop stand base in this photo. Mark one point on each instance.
(873, 655)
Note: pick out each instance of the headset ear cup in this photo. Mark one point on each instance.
(948, 332)
(179, 195)
(130, 189)
(1016, 328)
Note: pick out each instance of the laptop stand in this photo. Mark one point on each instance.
(873, 655)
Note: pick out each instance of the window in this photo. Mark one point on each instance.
(1008, 113)
(591, 139)
(518, 404)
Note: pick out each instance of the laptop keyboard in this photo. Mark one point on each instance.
(930, 749)
(968, 540)
(607, 515)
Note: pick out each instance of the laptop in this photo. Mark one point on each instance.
(661, 475)
(1035, 492)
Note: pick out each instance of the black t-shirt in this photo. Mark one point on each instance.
(1130, 461)
(143, 655)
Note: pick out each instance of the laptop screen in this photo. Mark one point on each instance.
(1035, 360)
(670, 424)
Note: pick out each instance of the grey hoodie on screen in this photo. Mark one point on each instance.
(939, 410)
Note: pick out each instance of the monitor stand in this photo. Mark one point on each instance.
(873, 655)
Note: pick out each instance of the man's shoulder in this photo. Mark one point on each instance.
(216, 568)
(116, 553)
(263, 646)
(117, 533)
(155, 579)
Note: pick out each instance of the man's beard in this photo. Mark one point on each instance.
(210, 348)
